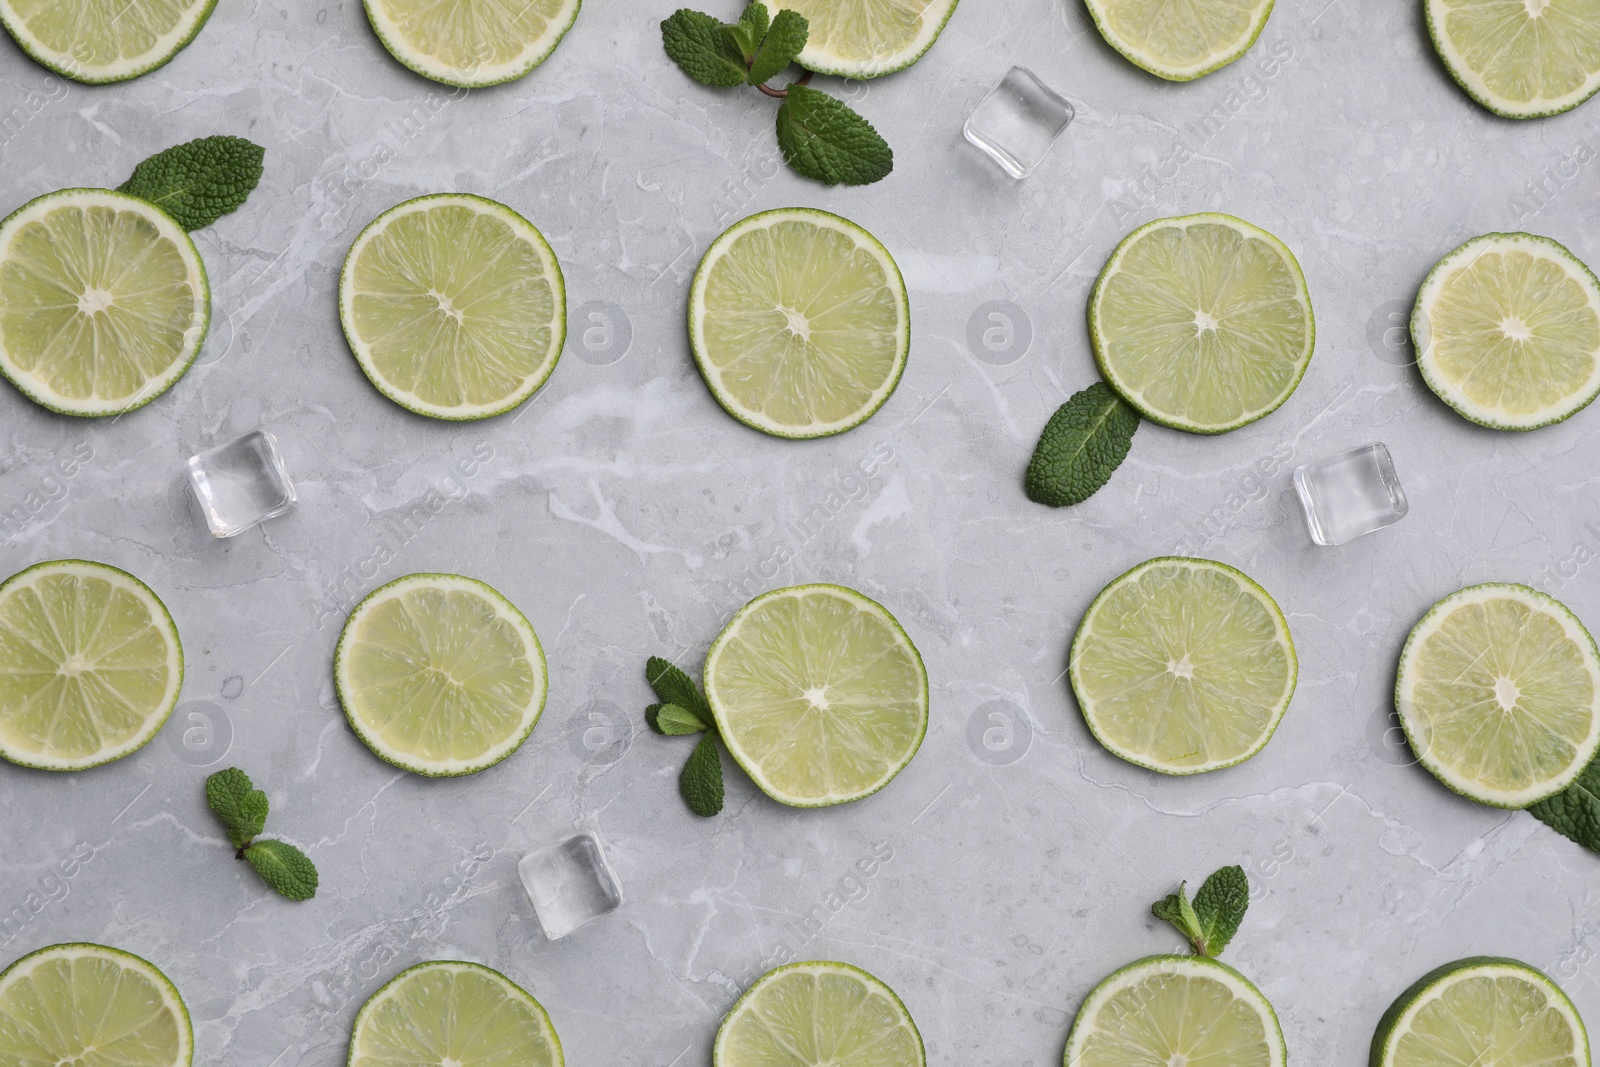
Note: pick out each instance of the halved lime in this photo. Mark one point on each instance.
(867, 38)
(1202, 322)
(1499, 694)
(1481, 1010)
(440, 674)
(799, 322)
(472, 42)
(103, 301)
(818, 693)
(1183, 665)
(460, 1014)
(1521, 59)
(1176, 1010)
(90, 665)
(96, 41)
(818, 1014)
(91, 1005)
(1180, 41)
(454, 306)
(1507, 331)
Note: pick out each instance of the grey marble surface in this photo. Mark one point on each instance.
(627, 515)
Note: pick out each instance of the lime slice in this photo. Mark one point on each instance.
(96, 41)
(103, 301)
(460, 1014)
(454, 306)
(90, 665)
(800, 323)
(1180, 41)
(1183, 665)
(818, 1015)
(867, 38)
(1521, 59)
(1481, 1011)
(472, 42)
(1176, 1010)
(818, 693)
(1203, 322)
(440, 674)
(91, 1005)
(1499, 694)
(1507, 331)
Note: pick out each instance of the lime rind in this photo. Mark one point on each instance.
(1182, 72)
(934, 16)
(64, 63)
(720, 1056)
(1422, 329)
(395, 985)
(1476, 86)
(533, 54)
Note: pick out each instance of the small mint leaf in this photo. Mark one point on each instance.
(1219, 908)
(782, 43)
(673, 686)
(284, 868)
(704, 48)
(677, 722)
(750, 29)
(1082, 445)
(1176, 909)
(198, 182)
(1575, 811)
(238, 804)
(701, 780)
(822, 138)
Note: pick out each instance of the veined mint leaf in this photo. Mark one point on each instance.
(750, 29)
(782, 43)
(1083, 443)
(238, 804)
(199, 182)
(285, 868)
(823, 139)
(675, 687)
(704, 48)
(1575, 811)
(701, 780)
(675, 721)
(1219, 907)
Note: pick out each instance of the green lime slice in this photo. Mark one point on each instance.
(94, 1006)
(818, 1015)
(459, 1014)
(1481, 1011)
(471, 42)
(103, 301)
(868, 38)
(440, 674)
(1180, 41)
(1203, 322)
(97, 41)
(1499, 694)
(1507, 331)
(1521, 59)
(1176, 1010)
(454, 306)
(818, 693)
(799, 322)
(1183, 665)
(90, 665)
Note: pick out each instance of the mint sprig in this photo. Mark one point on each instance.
(200, 181)
(1215, 914)
(683, 711)
(242, 810)
(1082, 445)
(1575, 811)
(820, 136)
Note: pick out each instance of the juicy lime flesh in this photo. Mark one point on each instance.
(1527, 50)
(1167, 1019)
(94, 302)
(83, 666)
(467, 34)
(1483, 1019)
(91, 1011)
(1203, 324)
(1182, 34)
(826, 698)
(1183, 667)
(865, 30)
(454, 306)
(439, 676)
(451, 1015)
(814, 1017)
(801, 324)
(1502, 696)
(1515, 332)
(98, 33)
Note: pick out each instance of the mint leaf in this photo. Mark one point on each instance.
(823, 139)
(675, 687)
(701, 780)
(238, 804)
(1575, 811)
(750, 29)
(782, 43)
(1219, 907)
(199, 182)
(285, 868)
(1083, 443)
(704, 48)
(676, 722)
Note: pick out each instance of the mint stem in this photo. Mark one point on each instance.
(805, 79)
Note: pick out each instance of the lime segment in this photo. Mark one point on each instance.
(97, 41)
(818, 1015)
(460, 1014)
(867, 38)
(1180, 41)
(1520, 58)
(471, 42)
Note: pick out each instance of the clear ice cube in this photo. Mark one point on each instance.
(1351, 494)
(241, 483)
(569, 883)
(1018, 121)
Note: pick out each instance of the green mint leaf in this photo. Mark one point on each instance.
(199, 182)
(783, 42)
(1083, 443)
(1219, 907)
(704, 48)
(750, 29)
(285, 868)
(675, 721)
(238, 804)
(701, 780)
(652, 717)
(1177, 910)
(1575, 811)
(822, 138)
(675, 687)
